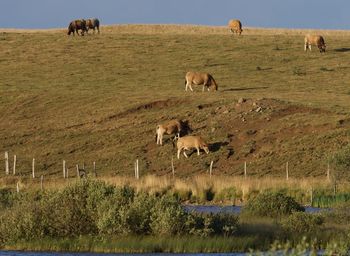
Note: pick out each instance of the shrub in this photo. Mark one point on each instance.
(301, 222)
(341, 161)
(227, 194)
(271, 205)
(128, 217)
(168, 217)
(214, 224)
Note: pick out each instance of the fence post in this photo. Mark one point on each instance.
(7, 163)
(17, 187)
(33, 168)
(211, 168)
(328, 172)
(172, 166)
(245, 169)
(287, 170)
(64, 169)
(78, 174)
(14, 164)
(42, 182)
(95, 169)
(67, 173)
(137, 169)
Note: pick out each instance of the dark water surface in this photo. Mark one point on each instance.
(233, 209)
(18, 253)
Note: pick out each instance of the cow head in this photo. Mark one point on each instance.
(322, 48)
(205, 148)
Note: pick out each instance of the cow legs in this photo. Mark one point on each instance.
(185, 154)
(178, 153)
(305, 47)
(160, 139)
(188, 84)
(198, 151)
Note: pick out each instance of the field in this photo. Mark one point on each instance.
(99, 98)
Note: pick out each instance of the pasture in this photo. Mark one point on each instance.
(100, 97)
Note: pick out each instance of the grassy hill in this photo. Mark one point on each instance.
(100, 97)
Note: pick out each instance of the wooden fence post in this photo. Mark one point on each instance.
(64, 169)
(328, 172)
(137, 169)
(172, 166)
(95, 169)
(287, 170)
(42, 182)
(14, 164)
(211, 168)
(245, 169)
(17, 187)
(33, 168)
(7, 163)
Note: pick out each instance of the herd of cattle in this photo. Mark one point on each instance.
(234, 25)
(84, 26)
(178, 127)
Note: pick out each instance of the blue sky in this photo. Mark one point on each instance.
(319, 14)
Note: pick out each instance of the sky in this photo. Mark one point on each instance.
(317, 14)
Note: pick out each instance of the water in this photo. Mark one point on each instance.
(17, 253)
(233, 209)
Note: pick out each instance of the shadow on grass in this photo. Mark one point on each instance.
(245, 89)
(213, 147)
(342, 50)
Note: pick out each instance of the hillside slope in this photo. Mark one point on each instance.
(100, 97)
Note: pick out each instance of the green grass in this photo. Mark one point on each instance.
(142, 244)
(78, 99)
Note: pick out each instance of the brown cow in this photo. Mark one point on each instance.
(76, 25)
(235, 26)
(315, 40)
(177, 127)
(198, 78)
(92, 24)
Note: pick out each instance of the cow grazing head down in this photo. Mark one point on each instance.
(76, 25)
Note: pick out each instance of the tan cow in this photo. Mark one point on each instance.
(93, 23)
(235, 26)
(177, 127)
(190, 142)
(315, 40)
(198, 78)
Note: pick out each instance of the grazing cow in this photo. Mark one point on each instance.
(190, 142)
(93, 23)
(235, 26)
(197, 78)
(315, 40)
(177, 127)
(76, 25)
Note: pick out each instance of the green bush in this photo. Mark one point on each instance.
(91, 208)
(272, 205)
(121, 216)
(227, 194)
(168, 217)
(214, 224)
(341, 161)
(301, 222)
